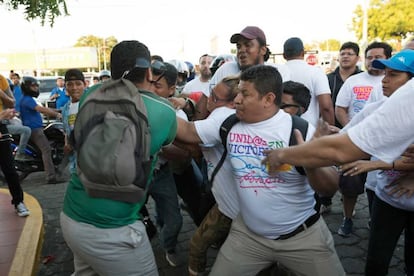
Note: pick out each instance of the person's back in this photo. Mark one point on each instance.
(312, 77)
(91, 210)
(88, 222)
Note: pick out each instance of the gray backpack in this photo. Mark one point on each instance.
(112, 142)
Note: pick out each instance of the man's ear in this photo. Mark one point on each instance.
(270, 98)
(263, 50)
(148, 75)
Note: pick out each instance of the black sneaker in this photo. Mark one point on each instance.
(346, 228)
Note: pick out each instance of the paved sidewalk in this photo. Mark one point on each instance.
(59, 260)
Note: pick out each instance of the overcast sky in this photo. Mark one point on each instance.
(183, 28)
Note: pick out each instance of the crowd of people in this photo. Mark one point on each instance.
(256, 188)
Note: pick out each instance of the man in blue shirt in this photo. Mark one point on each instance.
(59, 93)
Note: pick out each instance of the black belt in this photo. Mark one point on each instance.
(308, 223)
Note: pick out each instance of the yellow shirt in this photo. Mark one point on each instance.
(4, 85)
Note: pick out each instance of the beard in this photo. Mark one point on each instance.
(244, 67)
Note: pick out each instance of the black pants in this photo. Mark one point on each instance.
(189, 191)
(387, 224)
(9, 171)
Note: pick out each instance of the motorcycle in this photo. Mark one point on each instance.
(55, 134)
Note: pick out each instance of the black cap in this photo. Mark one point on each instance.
(74, 74)
(293, 46)
(170, 74)
(127, 55)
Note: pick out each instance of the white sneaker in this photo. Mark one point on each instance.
(22, 210)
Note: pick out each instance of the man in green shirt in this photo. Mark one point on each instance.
(107, 236)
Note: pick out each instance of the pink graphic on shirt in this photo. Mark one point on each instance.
(246, 153)
(363, 92)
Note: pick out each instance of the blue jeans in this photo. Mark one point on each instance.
(164, 193)
(387, 224)
(24, 133)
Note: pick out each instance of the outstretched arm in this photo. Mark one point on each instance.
(325, 151)
(323, 180)
(362, 166)
(186, 132)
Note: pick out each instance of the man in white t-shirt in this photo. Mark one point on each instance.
(216, 224)
(313, 78)
(252, 49)
(277, 220)
(364, 87)
(356, 91)
(201, 84)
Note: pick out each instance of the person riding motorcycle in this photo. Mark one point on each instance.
(30, 114)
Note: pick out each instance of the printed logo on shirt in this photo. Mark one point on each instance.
(71, 120)
(363, 92)
(246, 153)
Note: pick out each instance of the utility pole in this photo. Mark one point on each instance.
(104, 53)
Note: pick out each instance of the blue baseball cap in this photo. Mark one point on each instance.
(401, 61)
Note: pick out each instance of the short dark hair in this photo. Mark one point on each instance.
(293, 47)
(387, 48)
(124, 56)
(265, 78)
(204, 55)
(157, 57)
(300, 93)
(350, 45)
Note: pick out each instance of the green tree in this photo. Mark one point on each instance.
(42, 9)
(388, 20)
(103, 45)
(330, 45)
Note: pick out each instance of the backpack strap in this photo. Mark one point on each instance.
(302, 126)
(225, 127)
